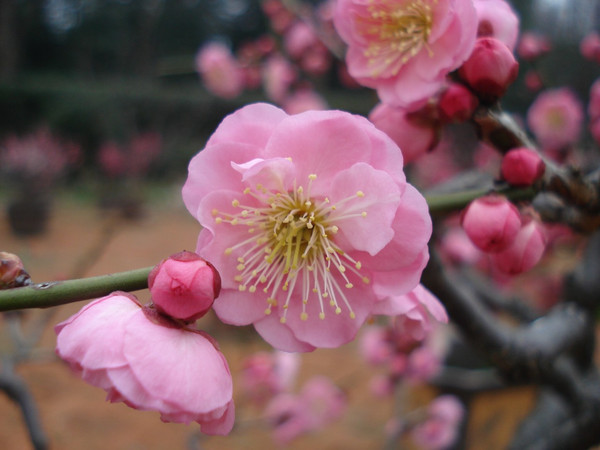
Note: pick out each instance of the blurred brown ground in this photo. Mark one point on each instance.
(75, 415)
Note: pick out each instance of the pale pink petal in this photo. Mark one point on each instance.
(280, 336)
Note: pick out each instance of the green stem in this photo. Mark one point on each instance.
(440, 203)
(44, 295)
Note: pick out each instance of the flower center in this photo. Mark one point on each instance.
(292, 247)
(396, 33)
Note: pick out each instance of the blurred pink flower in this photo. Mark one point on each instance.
(309, 220)
(590, 46)
(278, 76)
(532, 46)
(440, 429)
(491, 222)
(555, 118)
(533, 81)
(422, 364)
(133, 159)
(219, 70)
(38, 158)
(304, 100)
(304, 46)
(415, 137)
(184, 286)
(458, 248)
(405, 48)
(497, 19)
(594, 101)
(318, 404)
(149, 362)
(266, 374)
(375, 345)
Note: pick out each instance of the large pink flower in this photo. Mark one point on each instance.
(309, 220)
(144, 360)
(405, 48)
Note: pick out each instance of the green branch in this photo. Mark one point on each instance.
(44, 295)
(455, 201)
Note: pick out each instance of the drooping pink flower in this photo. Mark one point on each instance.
(490, 69)
(148, 362)
(309, 220)
(318, 404)
(440, 428)
(555, 118)
(525, 252)
(498, 20)
(184, 286)
(219, 70)
(405, 48)
(532, 46)
(415, 137)
(491, 222)
(522, 166)
(590, 46)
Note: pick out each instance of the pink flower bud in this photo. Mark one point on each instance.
(12, 271)
(491, 222)
(457, 103)
(525, 252)
(184, 286)
(522, 167)
(490, 69)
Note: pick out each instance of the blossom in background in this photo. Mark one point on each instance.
(278, 75)
(318, 404)
(220, 72)
(405, 48)
(133, 159)
(498, 20)
(590, 46)
(303, 100)
(266, 374)
(556, 118)
(414, 136)
(149, 362)
(309, 220)
(440, 429)
(525, 252)
(532, 46)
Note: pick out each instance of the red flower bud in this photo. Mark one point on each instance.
(12, 271)
(491, 222)
(490, 69)
(184, 286)
(524, 253)
(522, 167)
(457, 103)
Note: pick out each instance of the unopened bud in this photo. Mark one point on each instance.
(184, 286)
(457, 103)
(12, 271)
(522, 166)
(524, 253)
(490, 69)
(491, 222)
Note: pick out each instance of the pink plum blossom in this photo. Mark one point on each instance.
(491, 222)
(405, 48)
(498, 20)
(184, 286)
(555, 118)
(303, 100)
(309, 220)
(590, 46)
(278, 76)
(149, 362)
(522, 166)
(220, 72)
(414, 137)
(525, 252)
(318, 404)
(532, 46)
(267, 374)
(490, 69)
(440, 429)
